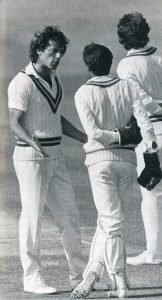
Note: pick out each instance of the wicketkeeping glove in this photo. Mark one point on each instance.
(130, 134)
(152, 174)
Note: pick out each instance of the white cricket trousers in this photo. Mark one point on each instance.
(151, 207)
(111, 183)
(40, 182)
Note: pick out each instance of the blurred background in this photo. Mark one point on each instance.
(83, 21)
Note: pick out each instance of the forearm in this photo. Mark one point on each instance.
(90, 126)
(21, 133)
(71, 131)
(105, 137)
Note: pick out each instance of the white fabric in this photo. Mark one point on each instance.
(47, 182)
(103, 109)
(111, 171)
(111, 184)
(147, 71)
(38, 118)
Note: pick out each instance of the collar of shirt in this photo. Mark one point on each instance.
(101, 79)
(31, 71)
(132, 51)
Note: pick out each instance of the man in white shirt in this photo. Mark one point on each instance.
(35, 99)
(143, 66)
(104, 103)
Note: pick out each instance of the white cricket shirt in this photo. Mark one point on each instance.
(105, 103)
(41, 116)
(144, 67)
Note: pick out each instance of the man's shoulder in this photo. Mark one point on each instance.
(125, 62)
(82, 89)
(92, 86)
(83, 94)
(21, 79)
(126, 67)
(136, 55)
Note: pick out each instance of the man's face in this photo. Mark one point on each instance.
(50, 57)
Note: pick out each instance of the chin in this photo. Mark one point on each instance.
(54, 67)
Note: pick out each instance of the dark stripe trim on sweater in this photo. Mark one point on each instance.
(53, 102)
(155, 118)
(53, 141)
(104, 84)
(149, 51)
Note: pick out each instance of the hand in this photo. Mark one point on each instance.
(152, 174)
(37, 146)
(130, 134)
(152, 147)
(112, 137)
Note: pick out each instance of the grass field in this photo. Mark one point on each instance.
(83, 21)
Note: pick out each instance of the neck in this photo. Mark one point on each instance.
(91, 75)
(41, 70)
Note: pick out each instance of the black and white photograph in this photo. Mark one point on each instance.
(80, 149)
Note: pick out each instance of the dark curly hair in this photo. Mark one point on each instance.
(41, 41)
(98, 59)
(133, 31)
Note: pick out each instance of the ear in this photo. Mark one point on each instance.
(38, 52)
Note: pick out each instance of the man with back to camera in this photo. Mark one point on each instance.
(143, 65)
(35, 100)
(104, 103)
